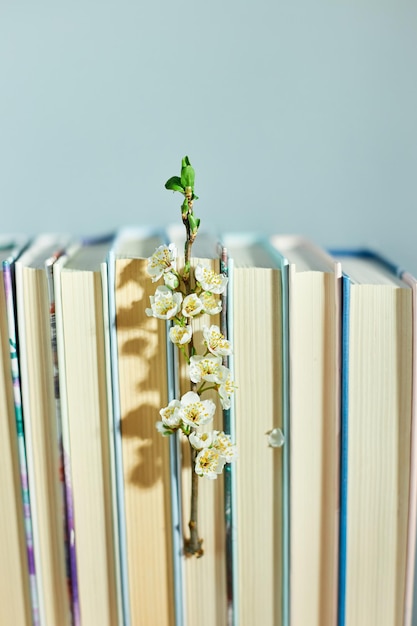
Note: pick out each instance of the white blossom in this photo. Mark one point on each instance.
(215, 341)
(161, 261)
(209, 463)
(164, 430)
(191, 305)
(171, 416)
(194, 411)
(204, 368)
(180, 335)
(165, 304)
(226, 386)
(209, 280)
(211, 305)
(200, 440)
(222, 443)
(171, 280)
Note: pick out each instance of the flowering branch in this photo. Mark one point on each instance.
(185, 296)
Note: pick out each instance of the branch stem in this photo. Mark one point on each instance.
(194, 545)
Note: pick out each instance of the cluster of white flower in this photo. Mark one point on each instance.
(172, 302)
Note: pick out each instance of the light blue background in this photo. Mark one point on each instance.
(299, 117)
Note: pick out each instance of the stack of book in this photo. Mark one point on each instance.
(313, 525)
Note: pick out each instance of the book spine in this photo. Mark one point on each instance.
(8, 270)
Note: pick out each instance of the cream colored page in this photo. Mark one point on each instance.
(257, 348)
(313, 451)
(39, 405)
(379, 457)
(88, 432)
(143, 391)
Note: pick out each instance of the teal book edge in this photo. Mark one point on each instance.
(344, 450)
(111, 260)
(175, 485)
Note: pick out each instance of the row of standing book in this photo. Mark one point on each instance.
(316, 531)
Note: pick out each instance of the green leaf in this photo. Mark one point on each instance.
(187, 173)
(194, 223)
(184, 207)
(187, 176)
(174, 183)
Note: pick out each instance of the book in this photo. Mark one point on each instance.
(316, 522)
(205, 604)
(15, 596)
(69, 536)
(142, 456)
(80, 323)
(314, 323)
(378, 443)
(258, 333)
(10, 294)
(45, 470)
